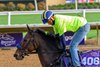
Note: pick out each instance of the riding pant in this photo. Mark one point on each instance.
(77, 38)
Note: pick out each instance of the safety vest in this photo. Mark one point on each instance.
(65, 23)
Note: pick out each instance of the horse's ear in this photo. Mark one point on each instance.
(29, 30)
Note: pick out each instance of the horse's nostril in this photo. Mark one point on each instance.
(15, 55)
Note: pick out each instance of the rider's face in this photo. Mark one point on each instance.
(50, 21)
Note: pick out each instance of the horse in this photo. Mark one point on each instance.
(46, 46)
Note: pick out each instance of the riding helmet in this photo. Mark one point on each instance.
(46, 15)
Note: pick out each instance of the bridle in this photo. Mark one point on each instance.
(24, 51)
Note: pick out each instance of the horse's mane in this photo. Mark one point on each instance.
(48, 38)
(42, 32)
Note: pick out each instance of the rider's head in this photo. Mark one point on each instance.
(46, 16)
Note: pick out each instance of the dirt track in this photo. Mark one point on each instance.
(7, 60)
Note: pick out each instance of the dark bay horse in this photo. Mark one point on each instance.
(45, 46)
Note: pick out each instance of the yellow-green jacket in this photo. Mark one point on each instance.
(65, 23)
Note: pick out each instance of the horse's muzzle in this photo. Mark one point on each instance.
(18, 57)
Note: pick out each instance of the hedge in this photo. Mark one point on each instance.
(10, 6)
(72, 6)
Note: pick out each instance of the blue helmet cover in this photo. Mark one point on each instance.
(45, 21)
(46, 16)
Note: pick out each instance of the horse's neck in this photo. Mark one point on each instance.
(47, 53)
(46, 58)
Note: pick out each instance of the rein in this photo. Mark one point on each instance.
(35, 45)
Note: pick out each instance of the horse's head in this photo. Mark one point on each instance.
(27, 45)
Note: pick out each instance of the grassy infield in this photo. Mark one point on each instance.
(36, 19)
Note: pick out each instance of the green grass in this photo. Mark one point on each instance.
(93, 17)
(36, 19)
(92, 34)
(3, 20)
(26, 19)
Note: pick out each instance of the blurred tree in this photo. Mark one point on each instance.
(30, 6)
(10, 6)
(41, 5)
(21, 6)
(2, 7)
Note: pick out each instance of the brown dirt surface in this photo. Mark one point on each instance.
(93, 41)
(7, 60)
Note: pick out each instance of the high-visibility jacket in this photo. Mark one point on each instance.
(64, 23)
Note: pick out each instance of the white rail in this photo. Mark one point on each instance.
(40, 12)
